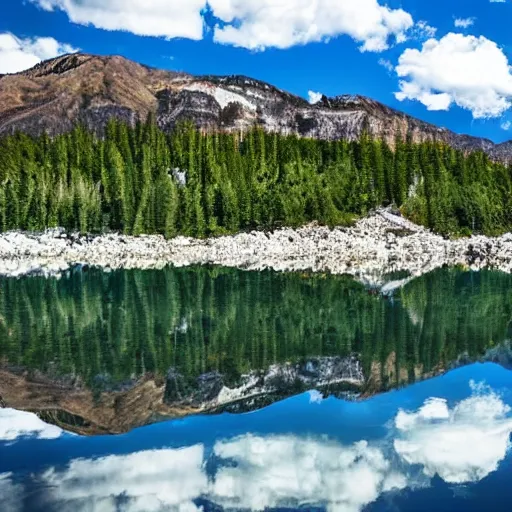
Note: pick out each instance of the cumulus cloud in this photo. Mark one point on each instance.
(288, 471)
(314, 97)
(17, 54)
(506, 125)
(166, 18)
(148, 480)
(253, 24)
(461, 445)
(15, 424)
(464, 22)
(260, 24)
(471, 72)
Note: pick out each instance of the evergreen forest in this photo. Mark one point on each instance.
(143, 180)
(108, 328)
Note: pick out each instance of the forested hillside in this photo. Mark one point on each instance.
(143, 180)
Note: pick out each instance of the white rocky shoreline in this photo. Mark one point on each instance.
(376, 245)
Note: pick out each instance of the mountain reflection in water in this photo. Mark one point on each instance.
(440, 444)
(102, 351)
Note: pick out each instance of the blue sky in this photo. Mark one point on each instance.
(453, 76)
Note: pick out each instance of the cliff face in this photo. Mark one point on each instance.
(89, 89)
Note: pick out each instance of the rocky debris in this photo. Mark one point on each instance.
(322, 376)
(369, 251)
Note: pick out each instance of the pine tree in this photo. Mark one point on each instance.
(377, 164)
(389, 171)
(401, 173)
(142, 209)
(117, 191)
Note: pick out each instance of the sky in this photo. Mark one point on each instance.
(444, 61)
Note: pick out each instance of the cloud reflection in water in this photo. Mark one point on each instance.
(462, 443)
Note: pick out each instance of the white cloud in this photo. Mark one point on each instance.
(149, 481)
(314, 97)
(166, 18)
(387, 64)
(18, 54)
(268, 471)
(253, 24)
(461, 445)
(288, 471)
(506, 125)
(422, 30)
(15, 424)
(472, 72)
(260, 24)
(464, 22)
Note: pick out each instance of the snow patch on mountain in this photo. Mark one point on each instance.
(222, 96)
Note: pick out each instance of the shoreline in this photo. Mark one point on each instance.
(379, 244)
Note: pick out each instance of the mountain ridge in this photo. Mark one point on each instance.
(83, 88)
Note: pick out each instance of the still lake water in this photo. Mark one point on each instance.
(97, 352)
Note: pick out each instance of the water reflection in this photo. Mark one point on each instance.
(292, 471)
(106, 352)
(18, 424)
(147, 480)
(405, 442)
(106, 329)
(460, 444)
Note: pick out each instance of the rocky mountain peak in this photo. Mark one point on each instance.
(58, 93)
(58, 65)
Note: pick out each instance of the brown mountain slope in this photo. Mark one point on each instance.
(89, 89)
(56, 94)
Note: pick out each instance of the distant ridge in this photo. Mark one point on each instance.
(57, 93)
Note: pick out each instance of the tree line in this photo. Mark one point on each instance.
(143, 180)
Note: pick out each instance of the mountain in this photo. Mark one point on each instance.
(59, 92)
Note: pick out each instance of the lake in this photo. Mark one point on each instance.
(234, 390)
